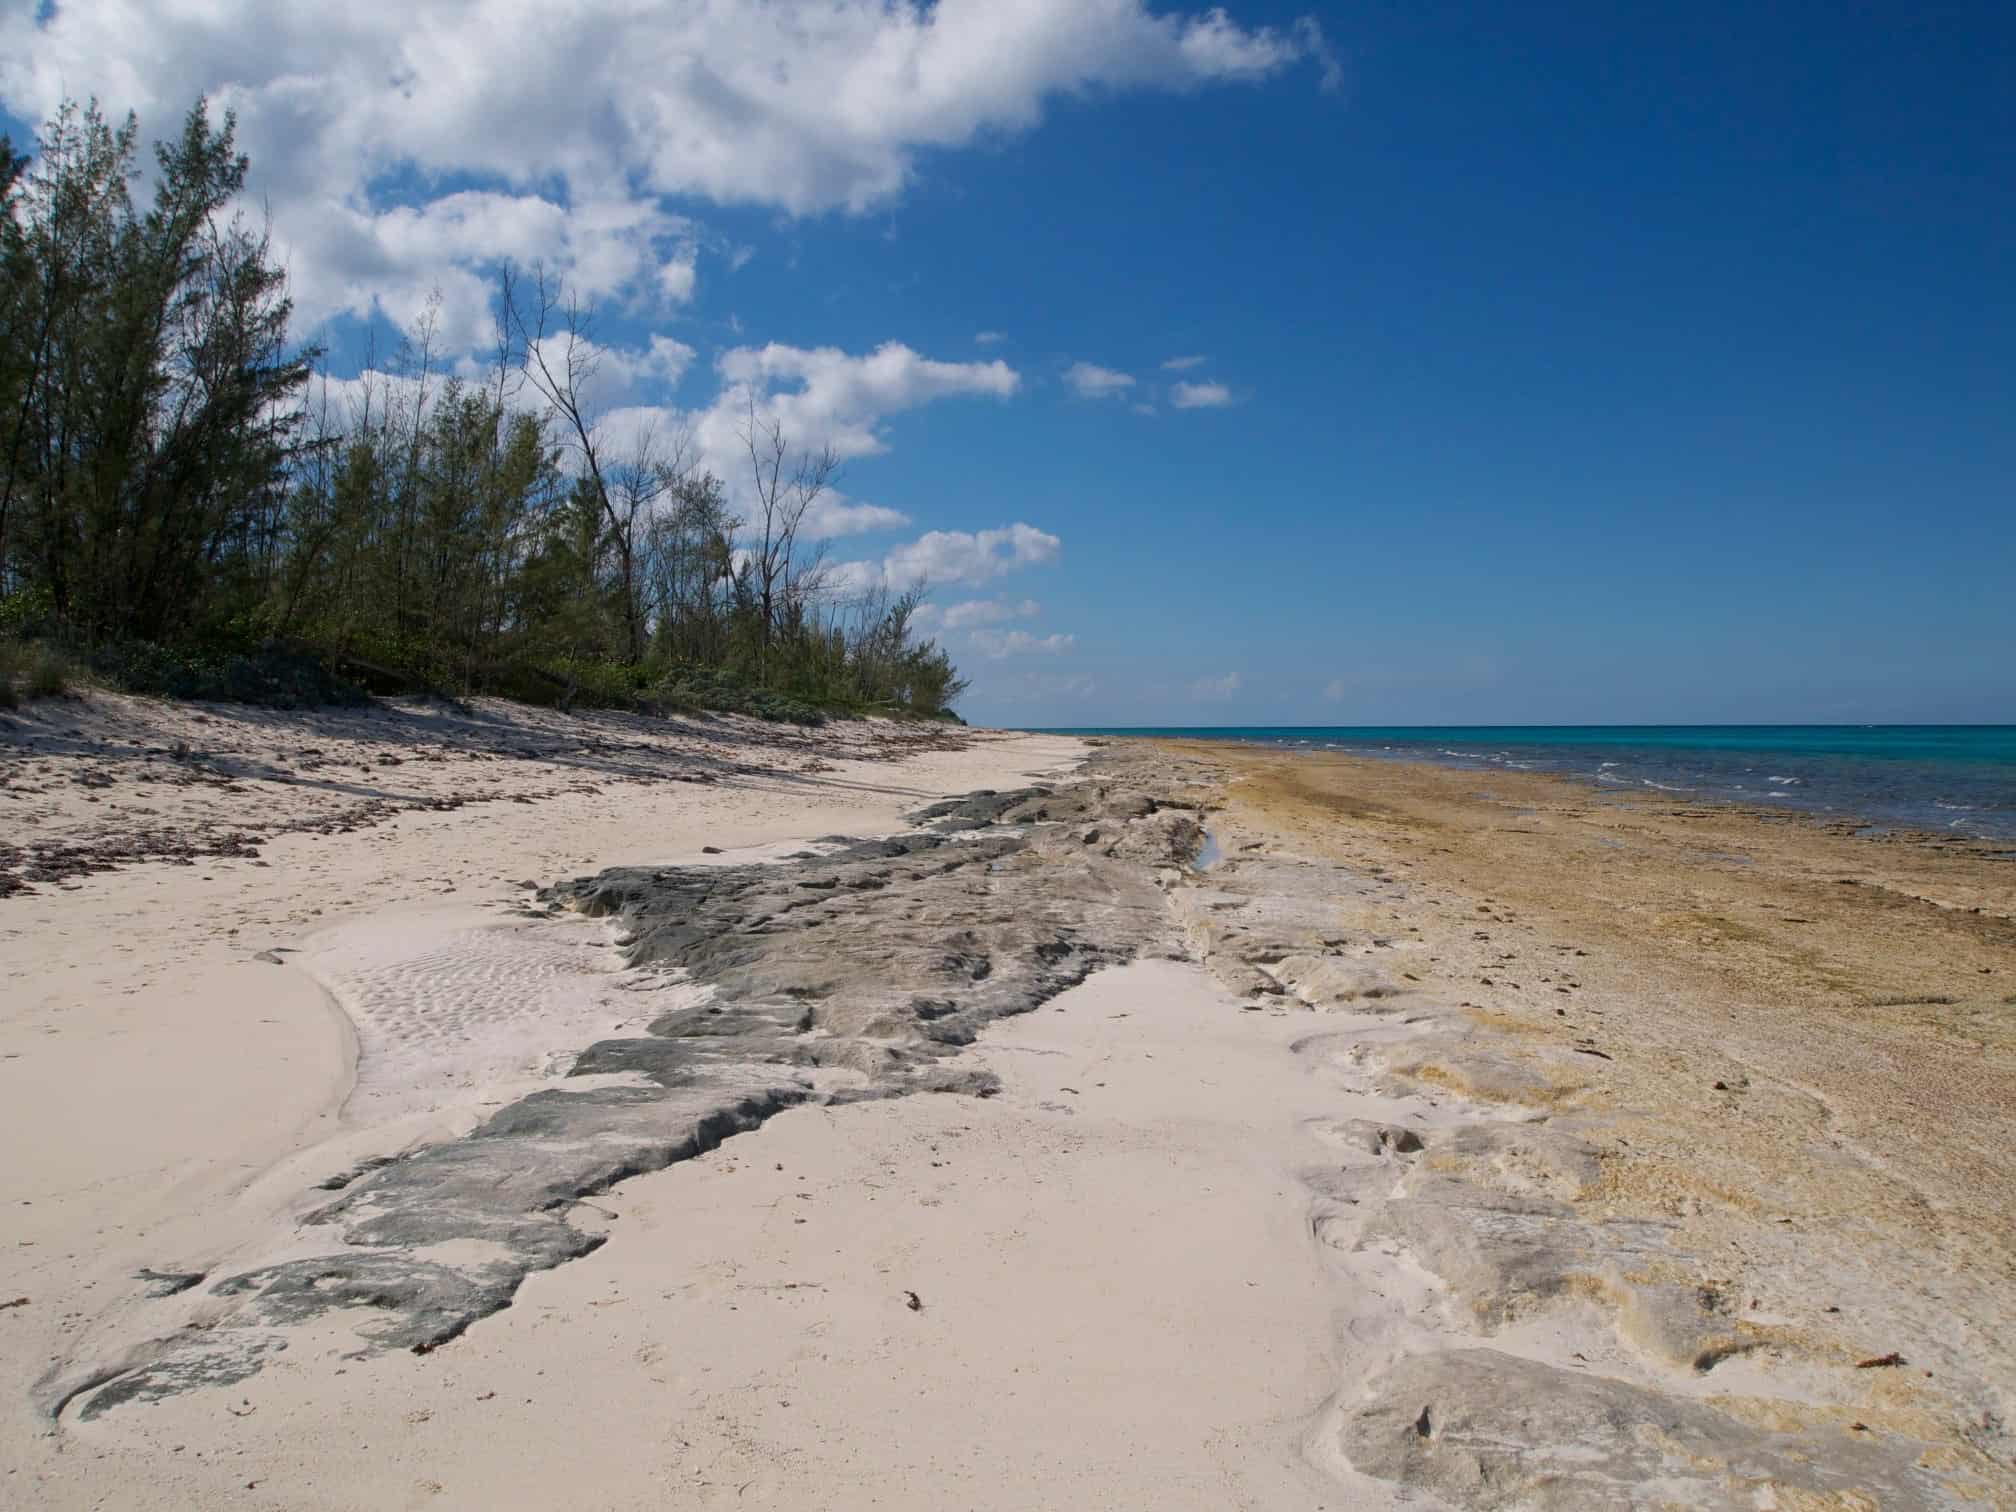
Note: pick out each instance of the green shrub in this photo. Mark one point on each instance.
(271, 677)
(29, 612)
(718, 690)
(32, 670)
(49, 673)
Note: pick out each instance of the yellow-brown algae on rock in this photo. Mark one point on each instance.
(1702, 1129)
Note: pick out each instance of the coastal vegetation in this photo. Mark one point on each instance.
(189, 506)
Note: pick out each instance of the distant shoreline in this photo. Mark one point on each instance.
(1950, 782)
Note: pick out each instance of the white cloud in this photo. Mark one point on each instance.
(1090, 381)
(823, 397)
(1200, 396)
(834, 514)
(951, 556)
(988, 612)
(678, 274)
(1182, 364)
(997, 644)
(958, 556)
(1218, 47)
(1318, 49)
(1336, 689)
(345, 257)
(850, 580)
(1144, 409)
(826, 397)
(403, 147)
(1215, 687)
(989, 338)
(617, 381)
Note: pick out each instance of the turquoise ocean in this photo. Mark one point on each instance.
(1950, 779)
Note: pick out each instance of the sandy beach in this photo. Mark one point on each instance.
(450, 1107)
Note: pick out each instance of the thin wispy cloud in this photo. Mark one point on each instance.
(988, 612)
(1200, 396)
(1090, 381)
(998, 644)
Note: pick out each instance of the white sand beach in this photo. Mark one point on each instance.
(1223, 1225)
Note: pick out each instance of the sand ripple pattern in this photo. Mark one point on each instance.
(450, 1013)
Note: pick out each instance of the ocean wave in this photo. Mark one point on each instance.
(1665, 787)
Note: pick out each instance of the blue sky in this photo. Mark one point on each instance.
(1558, 364)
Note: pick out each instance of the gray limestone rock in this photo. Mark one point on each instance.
(1502, 1255)
(883, 956)
(1488, 1430)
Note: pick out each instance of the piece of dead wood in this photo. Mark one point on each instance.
(1880, 1361)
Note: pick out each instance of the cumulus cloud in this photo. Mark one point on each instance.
(1200, 396)
(1090, 381)
(833, 515)
(1182, 364)
(405, 147)
(615, 376)
(988, 612)
(997, 644)
(958, 556)
(344, 257)
(1215, 687)
(940, 557)
(822, 396)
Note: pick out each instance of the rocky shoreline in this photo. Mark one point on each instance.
(1620, 1315)
(1551, 1282)
(851, 972)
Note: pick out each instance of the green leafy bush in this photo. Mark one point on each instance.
(49, 672)
(718, 690)
(32, 670)
(271, 677)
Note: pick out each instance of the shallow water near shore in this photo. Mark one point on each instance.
(1954, 779)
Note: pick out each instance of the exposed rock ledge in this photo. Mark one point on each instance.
(1561, 1355)
(852, 972)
